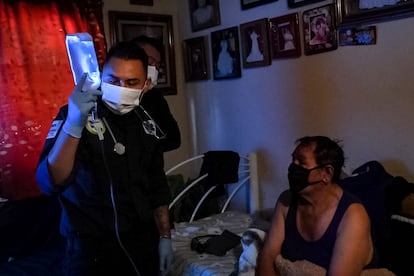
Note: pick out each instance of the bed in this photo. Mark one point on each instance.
(31, 243)
(231, 217)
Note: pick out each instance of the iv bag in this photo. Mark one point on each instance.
(82, 58)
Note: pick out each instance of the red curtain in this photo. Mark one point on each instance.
(35, 80)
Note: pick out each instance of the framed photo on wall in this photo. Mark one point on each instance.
(358, 12)
(128, 25)
(319, 30)
(196, 58)
(357, 36)
(204, 14)
(255, 43)
(284, 36)
(248, 4)
(226, 53)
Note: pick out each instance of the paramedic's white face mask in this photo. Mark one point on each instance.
(153, 75)
(120, 99)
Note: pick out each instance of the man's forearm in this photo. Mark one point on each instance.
(62, 157)
(162, 218)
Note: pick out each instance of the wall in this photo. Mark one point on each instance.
(359, 94)
(362, 95)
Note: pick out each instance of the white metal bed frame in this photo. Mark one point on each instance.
(248, 165)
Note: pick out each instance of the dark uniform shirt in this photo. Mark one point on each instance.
(137, 178)
(154, 102)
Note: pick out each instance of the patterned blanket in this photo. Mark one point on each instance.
(188, 262)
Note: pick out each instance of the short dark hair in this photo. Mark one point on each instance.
(143, 39)
(327, 152)
(127, 50)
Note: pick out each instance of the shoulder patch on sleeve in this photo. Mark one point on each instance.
(54, 129)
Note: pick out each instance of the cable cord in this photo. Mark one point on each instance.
(115, 211)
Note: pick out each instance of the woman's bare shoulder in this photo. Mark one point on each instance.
(285, 198)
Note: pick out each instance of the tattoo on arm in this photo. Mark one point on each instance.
(162, 218)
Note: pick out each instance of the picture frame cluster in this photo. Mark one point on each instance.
(260, 41)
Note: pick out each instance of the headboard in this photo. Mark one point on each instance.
(247, 176)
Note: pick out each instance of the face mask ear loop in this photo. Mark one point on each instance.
(329, 170)
(147, 87)
(140, 97)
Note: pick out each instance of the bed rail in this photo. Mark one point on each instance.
(248, 175)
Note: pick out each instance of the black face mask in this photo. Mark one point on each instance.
(298, 177)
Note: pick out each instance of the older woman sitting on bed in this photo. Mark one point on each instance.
(316, 220)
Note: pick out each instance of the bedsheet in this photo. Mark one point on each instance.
(187, 262)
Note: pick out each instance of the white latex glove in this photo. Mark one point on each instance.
(165, 252)
(79, 106)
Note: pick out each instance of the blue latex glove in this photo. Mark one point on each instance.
(166, 255)
(80, 104)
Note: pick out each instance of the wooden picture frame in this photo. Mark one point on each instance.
(299, 3)
(319, 30)
(284, 36)
(196, 59)
(359, 12)
(254, 37)
(248, 4)
(142, 2)
(226, 53)
(206, 16)
(128, 25)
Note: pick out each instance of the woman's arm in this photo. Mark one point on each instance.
(353, 247)
(273, 242)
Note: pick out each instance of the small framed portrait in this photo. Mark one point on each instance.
(284, 36)
(248, 4)
(255, 43)
(204, 14)
(226, 53)
(319, 30)
(128, 25)
(196, 60)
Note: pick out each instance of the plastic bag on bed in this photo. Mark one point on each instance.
(216, 244)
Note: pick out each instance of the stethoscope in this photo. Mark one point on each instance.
(119, 148)
(150, 128)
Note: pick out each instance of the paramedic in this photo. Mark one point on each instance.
(108, 174)
(153, 101)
